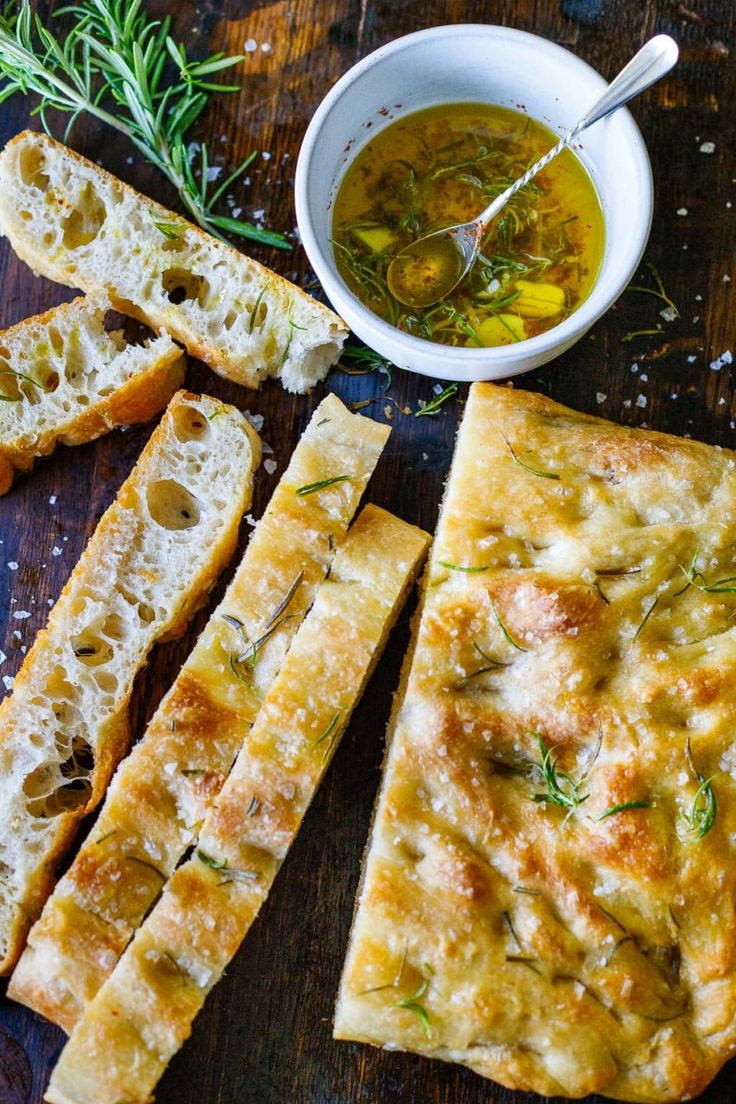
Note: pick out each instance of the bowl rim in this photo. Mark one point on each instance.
(565, 333)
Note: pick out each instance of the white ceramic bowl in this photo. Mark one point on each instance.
(473, 64)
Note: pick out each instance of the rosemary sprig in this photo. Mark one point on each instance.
(431, 409)
(234, 875)
(111, 65)
(658, 292)
(704, 809)
(312, 488)
(697, 579)
(491, 665)
(623, 807)
(527, 467)
(368, 361)
(560, 788)
(507, 635)
(412, 1003)
(107, 836)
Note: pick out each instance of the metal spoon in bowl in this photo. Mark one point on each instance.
(431, 267)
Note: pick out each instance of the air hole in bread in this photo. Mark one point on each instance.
(171, 505)
(91, 650)
(106, 681)
(32, 163)
(56, 788)
(114, 627)
(55, 340)
(82, 400)
(48, 238)
(179, 284)
(146, 613)
(190, 424)
(231, 318)
(84, 222)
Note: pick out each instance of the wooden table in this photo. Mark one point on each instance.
(265, 1034)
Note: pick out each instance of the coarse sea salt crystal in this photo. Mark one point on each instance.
(12, 565)
(722, 361)
(21, 615)
(8, 681)
(250, 46)
(56, 551)
(707, 147)
(270, 466)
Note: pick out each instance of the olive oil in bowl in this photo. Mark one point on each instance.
(441, 166)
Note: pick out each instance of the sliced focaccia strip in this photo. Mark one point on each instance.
(75, 223)
(163, 789)
(154, 555)
(562, 922)
(144, 1012)
(70, 375)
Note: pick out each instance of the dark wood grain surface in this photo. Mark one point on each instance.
(265, 1034)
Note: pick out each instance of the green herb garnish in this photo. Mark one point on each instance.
(465, 570)
(507, 635)
(646, 617)
(107, 836)
(412, 1003)
(527, 467)
(292, 326)
(311, 488)
(329, 735)
(233, 875)
(170, 230)
(148, 865)
(432, 408)
(697, 579)
(491, 665)
(704, 809)
(658, 292)
(512, 930)
(111, 65)
(623, 807)
(195, 772)
(254, 806)
(560, 788)
(368, 361)
(214, 864)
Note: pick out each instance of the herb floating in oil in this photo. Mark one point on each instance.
(113, 64)
(413, 1003)
(704, 809)
(441, 166)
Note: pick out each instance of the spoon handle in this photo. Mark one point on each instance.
(652, 62)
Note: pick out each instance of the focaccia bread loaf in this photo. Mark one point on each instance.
(75, 223)
(145, 1010)
(548, 895)
(165, 786)
(66, 377)
(150, 562)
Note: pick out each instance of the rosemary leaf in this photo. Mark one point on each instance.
(512, 930)
(329, 735)
(527, 467)
(704, 809)
(254, 806)
(646, 617)
(412, 1003)
(214, 864)
(622, 808)
(150, 866)
(465, 570)
(107, 835)
(507, 635)
(311, 488)
(560, 788)
(368, 361)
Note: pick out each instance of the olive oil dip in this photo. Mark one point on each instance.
(442, 166)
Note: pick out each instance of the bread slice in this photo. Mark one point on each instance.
(69, 375)
(165, 786)
(77, 224)
(144, 1012)
(150, 562)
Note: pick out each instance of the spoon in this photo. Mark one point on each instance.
(431, 267)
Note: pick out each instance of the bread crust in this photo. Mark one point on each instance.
(495, 904)
(145, 1010)
(149, 564)
(120, 387)
(87, 229)
(174, 773)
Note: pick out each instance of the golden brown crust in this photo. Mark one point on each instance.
(145, 1010)
(500, 906)
(165, 787)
